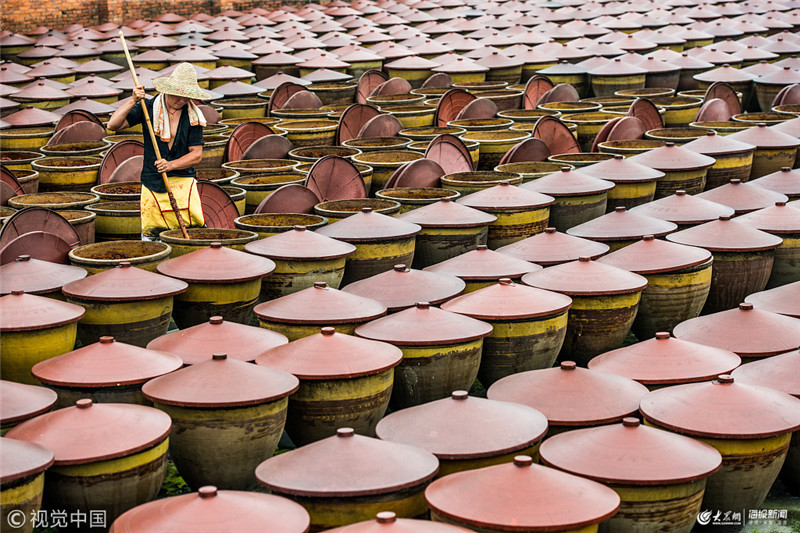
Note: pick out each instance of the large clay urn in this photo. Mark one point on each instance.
(684, 169)
(402, 287)
(346, 478)
(743, 258)
(20, 402)
(750, 426)
(774, 149)
(442, 351)
(35, 276)
(552, 247)
(683, 209)
(605, 300)
(781, 221)
(483, 267)
(634, 184)
(22, 467)
(344, 381)
(648, 467)
(734, 159)
(228, 416)
(621, 227)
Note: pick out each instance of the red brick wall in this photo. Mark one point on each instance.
(24, 15)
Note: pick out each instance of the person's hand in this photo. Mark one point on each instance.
(162, 165)
(138, 94)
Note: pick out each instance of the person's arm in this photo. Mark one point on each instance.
(191, 159)
(119, 120)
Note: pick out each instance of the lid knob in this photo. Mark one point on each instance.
(631, 422)
(745, 306)
(618, 157)
(386, 517)
(735, 181)
(219, 356)
(209, 491)
(680, 193)
(216, 245)
(725, 379)
(565, 169)
(786, 169)
(505, 281)
(724, 217)
(670, 145)
(620, 209)
(124, 264)
(648, 238)
(459, 395)
(423, 305)
(345, 432)
(568, 365)
(366, 210)
(482, 247)
(780, 204)
(523, 460)
(216, 320)
(320, 285)
(401, 268)
(447, 201)
(17, 292)
(661, 335)
(83, 403)
(327, 331)
(584, 259)
(505, 183)
(550, 230)
(106, 339)
(24, 258)
(711, 133)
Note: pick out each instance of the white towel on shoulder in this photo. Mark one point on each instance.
(161, 117)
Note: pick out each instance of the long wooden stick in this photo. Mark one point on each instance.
(172, 201)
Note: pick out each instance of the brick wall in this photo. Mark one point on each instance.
(24, 15)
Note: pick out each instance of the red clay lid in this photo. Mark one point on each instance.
(197, 343)
(411, 63)
(216, 264)
(105, 364)
(631, 454)
(570, 395)
(785, 181)
(387, 521)
(568, 183)
(331, 355)
(654, 256)
(464, 427)
(534, 498)
(671, 157)
(784, 76)
(320, 304)
(723, 409)
(210, 510)
(551, 247)
(19, 459)
(402, 287)
(124, 283)
(505, 197)
(748, 332)
(784, 300)
(28, 312)
(368, 226)
(617, 68)
(40, 92)
(347, 465)
(484, 264)
(446, 213)
(780, 372)
(622, 224)
(683, 208)
(19, 401)
(32, 116)
(299, 244)
(745, 198)
(725, 73)
(665, 360)
(90, 432)
(423, 325)
(764, 137)
(726, 235)
(507, 300)
(220, 382)
(713, 144)
(36, 277)
(586, 278)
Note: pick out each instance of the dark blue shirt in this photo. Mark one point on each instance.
(186, 136)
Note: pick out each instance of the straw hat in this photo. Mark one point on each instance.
(182, 82)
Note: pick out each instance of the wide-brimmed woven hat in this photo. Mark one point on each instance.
(182, 82)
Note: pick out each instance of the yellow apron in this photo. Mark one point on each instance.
(157, 213)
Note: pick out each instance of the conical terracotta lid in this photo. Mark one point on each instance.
(32, 116)
(459, 66)
(616, 68)
(19, 401)
(505, 197)
(27, 312)
(7, 75)
(369, 226)
(507, 300)
(299, 244)
(585, 278)
(570, 395)
(151, 55)
(654, 66)
(726, 235)
(276, 58)
(713, 144)
(36, 277)
(48, 69)
(684, 209)
(631, 453)
(210, 510)
(331, 355)
(552, 247)
(387, 522)
(765, 137)
(780, 372)
(423, 325)
(324, 75)
(761, 68)
(347, 465)
(464, 427)
(92, 106)
(621, 170)
(666, 360)
(562, 68)
(41, 51)
(747, 331)
(216, 264)
(784, 76)
(105, 364)
(92, 89)
(402, 287)
(671, 157)
(157, 41)
(96, 66)
(744, 197)
(220, 382)
(227, 72)
(496, 60)
(534, 498)
(725, 73)
(785, 181)
(568, 183)
(446, 213)
(193, 53)
(411, 63)
(723, 409)
(19, 459)
(273, 82)
(484, 264)
(90, 432)
(124, 283)
(197, 343)
(622, 224)
(789, 127)
(320, 304)
(654, 256)
(237, 89)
